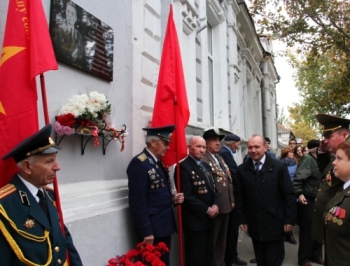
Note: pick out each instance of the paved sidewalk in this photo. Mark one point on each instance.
(246, 253)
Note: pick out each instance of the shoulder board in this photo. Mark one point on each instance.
(7, 190)
(142, 157)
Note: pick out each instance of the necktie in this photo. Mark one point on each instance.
(257, 166)
(42, 201)
(218, 160)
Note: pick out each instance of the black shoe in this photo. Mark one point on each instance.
(239, 262)
(253, 260)
(290, 239)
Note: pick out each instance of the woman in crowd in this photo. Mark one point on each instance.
(305, 150)
(287, 157)
(337, 215)
(298, 153)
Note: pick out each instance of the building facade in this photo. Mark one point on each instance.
(231, 84)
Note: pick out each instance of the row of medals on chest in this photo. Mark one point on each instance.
(201, 190)
(335, 214)
(155, 181)
(220, 175)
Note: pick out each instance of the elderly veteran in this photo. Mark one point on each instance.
(335, 131)
(29, 222)
(223, 184)
(150, 196)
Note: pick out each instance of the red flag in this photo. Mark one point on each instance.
(27, 51)
(171, 105)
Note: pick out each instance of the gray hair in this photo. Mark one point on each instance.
(30, 159)
(149, 138)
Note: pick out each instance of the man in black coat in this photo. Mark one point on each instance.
(231, 145)
(199, 207)
(265, 201)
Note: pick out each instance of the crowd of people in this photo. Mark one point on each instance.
(265, 197)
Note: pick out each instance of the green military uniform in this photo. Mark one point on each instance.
(329, 185)
(30, 229)
(337, 229)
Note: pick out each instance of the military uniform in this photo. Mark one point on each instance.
(30, 233)
(337, 229)
(329, 185)
(38, 237)
(150, 198)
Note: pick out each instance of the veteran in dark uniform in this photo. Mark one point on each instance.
(30, 232)
(150, 196)
(337, 215)
(199, 207)
(335, 131)
(223, 184)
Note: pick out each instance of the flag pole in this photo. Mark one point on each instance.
(178, 185)
(47, 121)
(55, 184)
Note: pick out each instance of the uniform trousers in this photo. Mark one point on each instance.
(219, 238)
(269, 253)
(231, 254)
(308, 248)
(198, 248)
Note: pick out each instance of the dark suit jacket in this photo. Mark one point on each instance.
(223, 182)
(225, 153)
(198, 188)
(150, 197)
(23, 210)
(337, 238)
(265, 200)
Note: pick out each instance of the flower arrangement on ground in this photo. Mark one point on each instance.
(87, 114)
(142, 255)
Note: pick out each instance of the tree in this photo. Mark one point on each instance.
(319, 30)
(301, 127)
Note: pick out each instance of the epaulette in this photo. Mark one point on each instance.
(142, 157)
(7, 190)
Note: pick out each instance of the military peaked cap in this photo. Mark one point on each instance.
(162, 132)
(331, 123)
(38, 143)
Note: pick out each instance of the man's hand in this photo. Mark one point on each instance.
(148, 239)
(244, 227)
(288, 228)
(302, 199)
(213, 211)
(178, 198)
(232, 205)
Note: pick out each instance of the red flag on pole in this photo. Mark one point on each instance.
(171, 105)
(27, 52)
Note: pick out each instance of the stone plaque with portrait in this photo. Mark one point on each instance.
(81, 40)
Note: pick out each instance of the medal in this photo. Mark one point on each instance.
(29, 224)
(334, 219)
(340, 222)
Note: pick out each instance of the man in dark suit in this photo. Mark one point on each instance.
(150, 196)
(265, 202)
(223, 184)
(231, 145)
(199, 207)
(30, 230)
(335, 131)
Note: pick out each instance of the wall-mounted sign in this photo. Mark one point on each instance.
(81, 40)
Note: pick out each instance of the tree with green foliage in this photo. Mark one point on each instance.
(319, 30)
